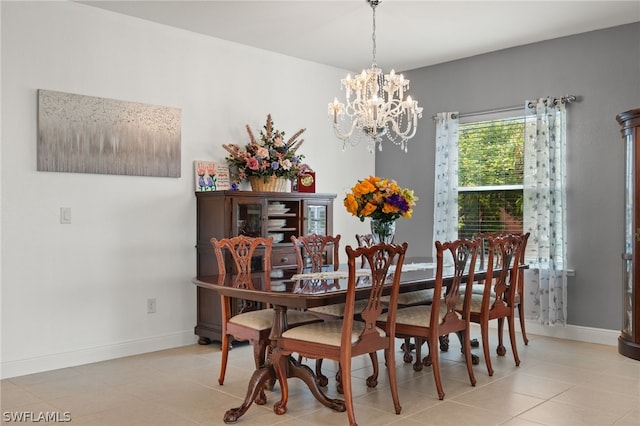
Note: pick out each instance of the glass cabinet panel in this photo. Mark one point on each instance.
(248, 217)
(315, 219)
(629, 238)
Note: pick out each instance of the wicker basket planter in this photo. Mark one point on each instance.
(272, 184)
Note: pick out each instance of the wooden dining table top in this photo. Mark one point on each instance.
(308, 292)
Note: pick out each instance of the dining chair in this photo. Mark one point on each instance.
(478, 286)
(519, 295)
(518, 299)
(315, 248)
(404, 299)
(312, 252)
(429, 322)
(348, 337)
(497, 300)
(311, 255)
(241, 319)
(411, 298)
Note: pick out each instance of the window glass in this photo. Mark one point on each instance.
(490, 176)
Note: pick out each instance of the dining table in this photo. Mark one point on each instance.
(304, 291)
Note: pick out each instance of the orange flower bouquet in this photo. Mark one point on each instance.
(381, 199)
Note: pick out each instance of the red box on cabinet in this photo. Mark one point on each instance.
(307, 182)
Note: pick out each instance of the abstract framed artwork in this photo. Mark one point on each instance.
(85, 134)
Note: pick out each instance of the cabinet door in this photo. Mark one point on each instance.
(247, 217)
(316, 217)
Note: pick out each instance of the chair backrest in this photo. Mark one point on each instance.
(242, 250)
(484, 245)
(379, 257)
(484, 249)
(505, 253)
(364, 240)
(463, 253)
(523, 250)
(315, 248)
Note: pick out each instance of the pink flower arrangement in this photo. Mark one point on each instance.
(268, 156)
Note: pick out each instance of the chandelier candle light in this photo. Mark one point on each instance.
(378, 106)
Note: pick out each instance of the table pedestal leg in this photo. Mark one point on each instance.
(267, 373)
(304, 373)
(475, 359)
(256, 385)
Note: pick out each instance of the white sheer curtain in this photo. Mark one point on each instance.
(544, 205)
(445, 214)
(544, 211)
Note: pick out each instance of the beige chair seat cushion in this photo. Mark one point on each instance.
(420, 297)
(337, 310)
(263, 318)
(476, 303)
(416, 315)
(326, 332)
(477, 288)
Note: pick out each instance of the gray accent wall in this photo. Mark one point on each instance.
(602, 68)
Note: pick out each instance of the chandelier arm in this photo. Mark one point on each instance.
(342, 135)
(411, 126)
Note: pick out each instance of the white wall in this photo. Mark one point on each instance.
(73, 294)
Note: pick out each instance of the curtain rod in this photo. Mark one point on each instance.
(563, 99)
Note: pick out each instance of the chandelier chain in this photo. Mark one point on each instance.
(373, 4)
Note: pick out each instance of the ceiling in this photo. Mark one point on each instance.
(409, 34)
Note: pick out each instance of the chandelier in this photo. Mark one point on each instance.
(375, 106)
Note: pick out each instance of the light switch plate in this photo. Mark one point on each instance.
(65, 215)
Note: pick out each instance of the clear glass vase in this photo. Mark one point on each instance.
(383, 231)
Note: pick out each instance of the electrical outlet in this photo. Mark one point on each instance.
(151, 306)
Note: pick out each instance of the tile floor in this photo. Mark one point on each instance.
(559, 382)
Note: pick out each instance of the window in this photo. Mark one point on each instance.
(521, 174)
(490, 176)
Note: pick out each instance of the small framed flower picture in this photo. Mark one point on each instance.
(210, 176)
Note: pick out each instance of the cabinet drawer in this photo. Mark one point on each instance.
(283, 257)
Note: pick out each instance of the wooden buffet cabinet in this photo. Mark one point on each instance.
(629, 340)
(223, 214)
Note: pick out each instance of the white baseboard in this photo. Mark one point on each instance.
(574, 332)
(174, 340)
(96, 354)
(568, 332)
